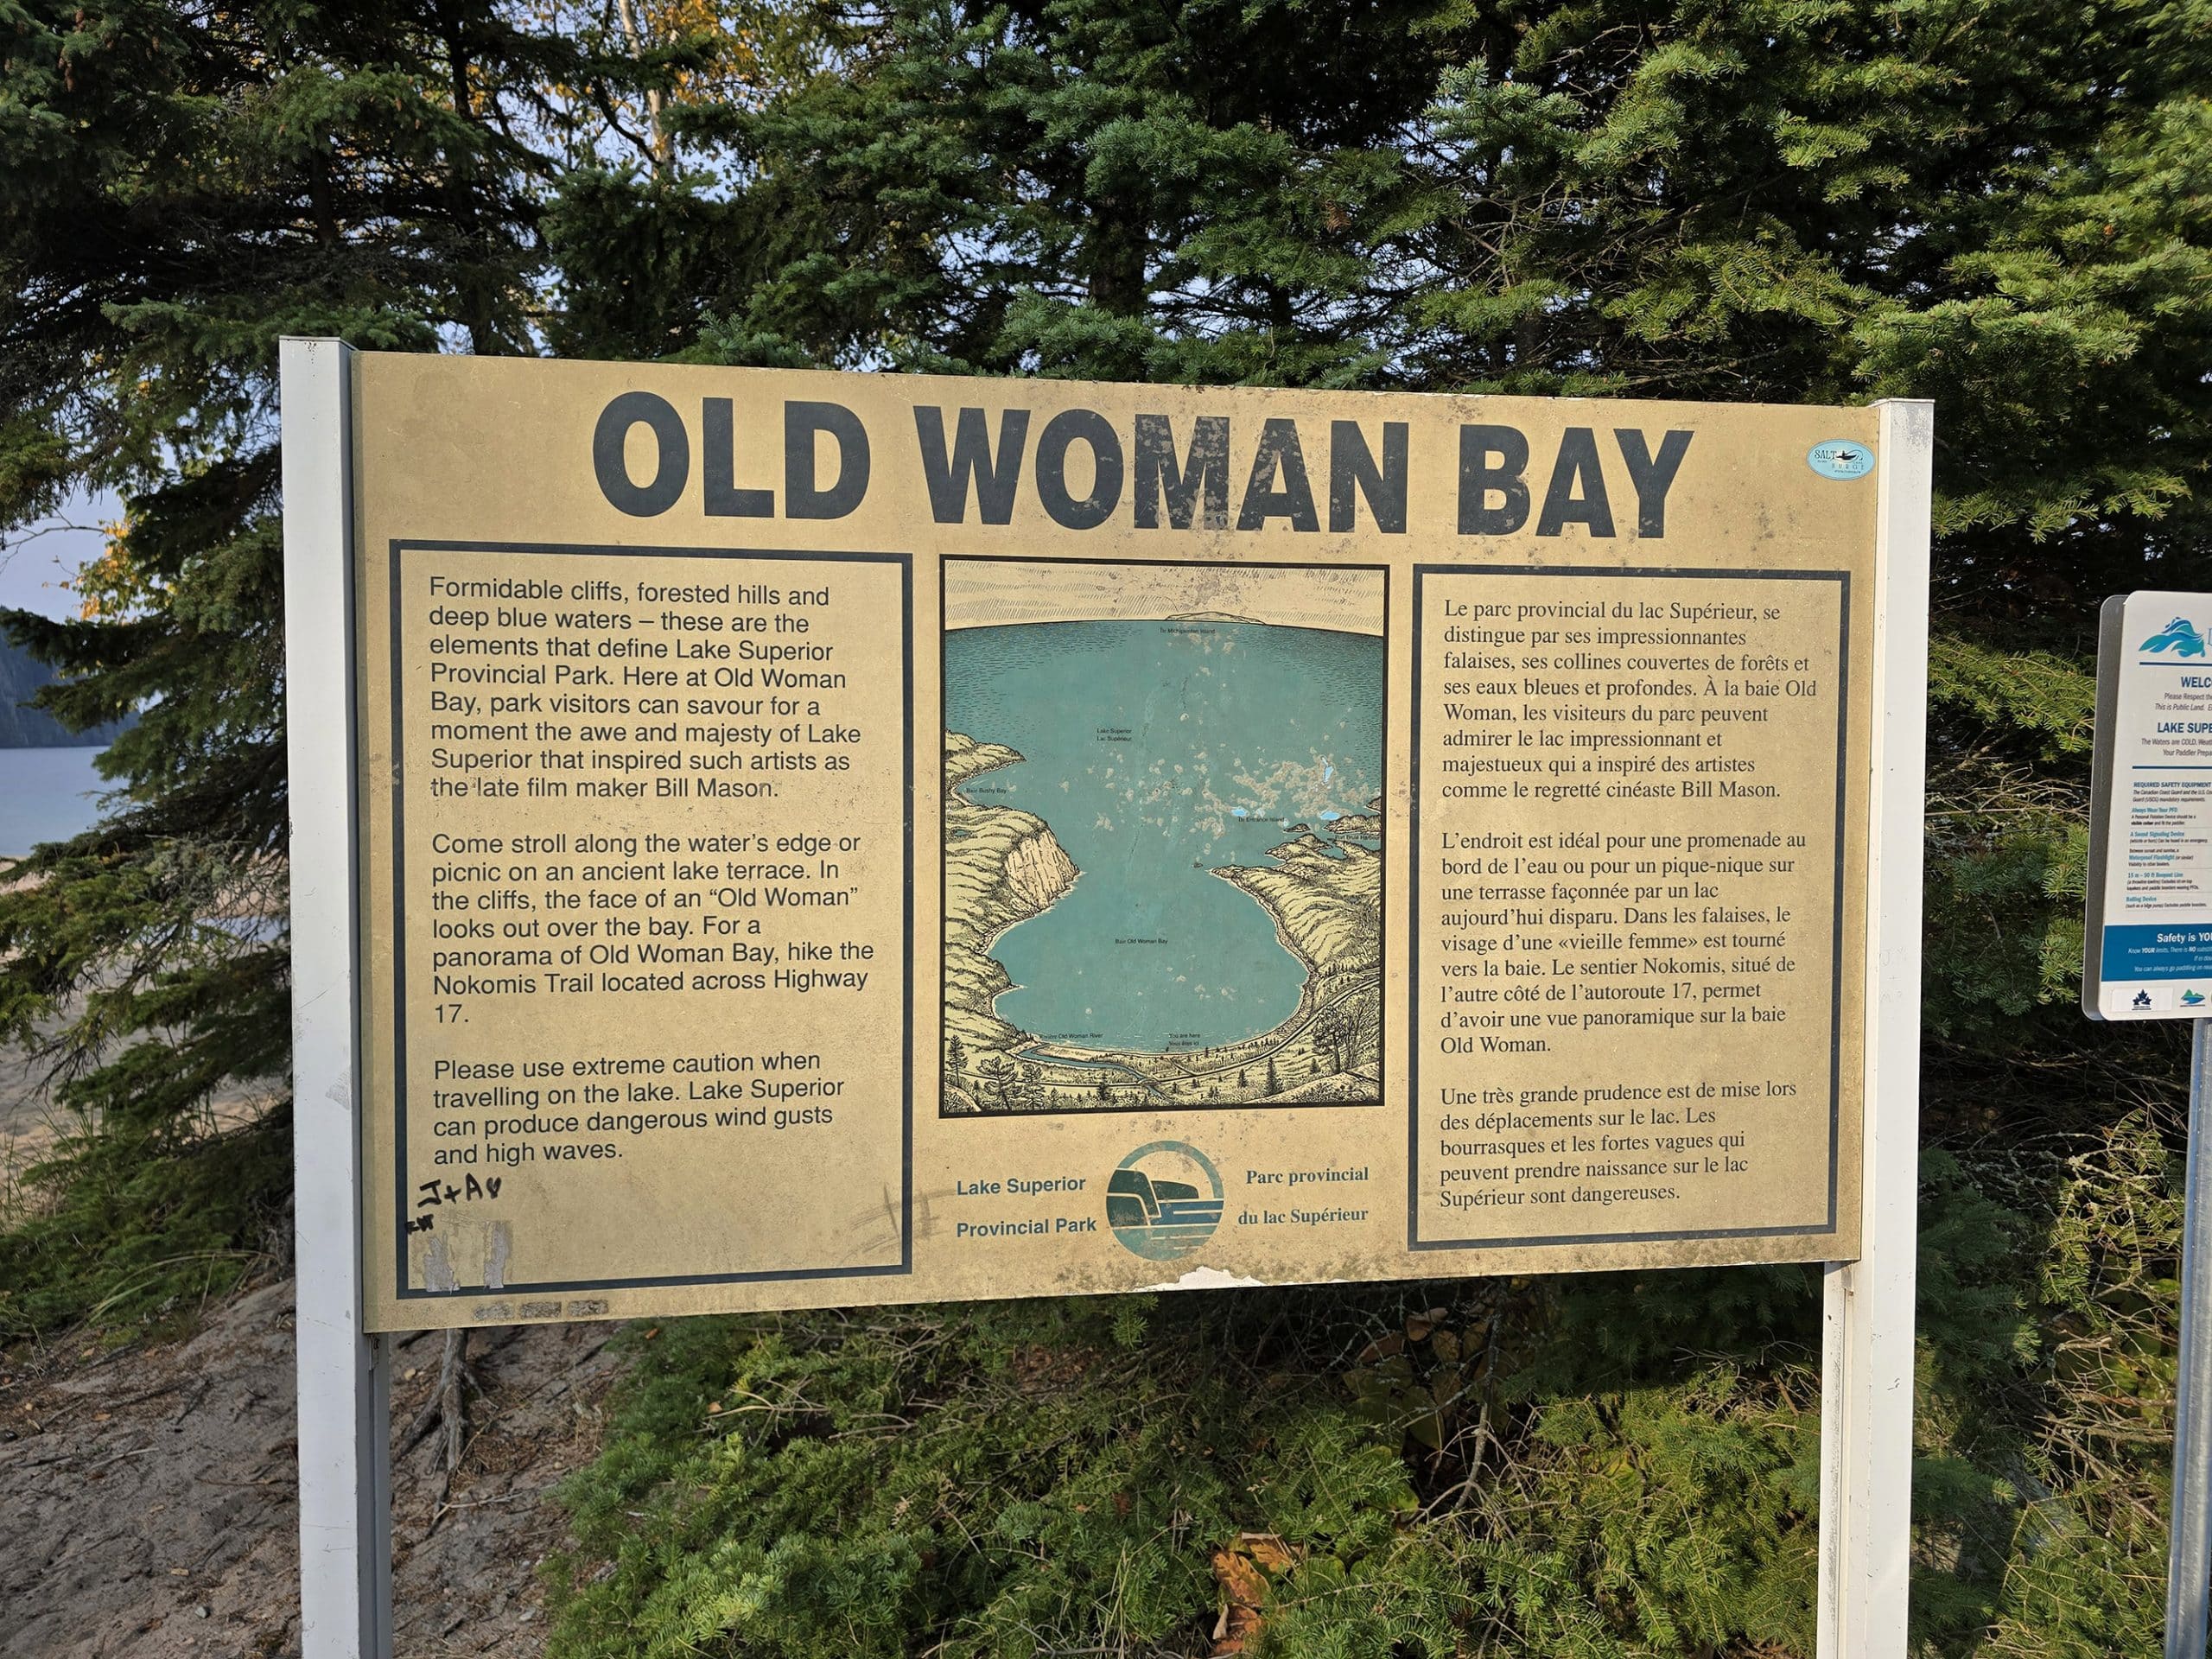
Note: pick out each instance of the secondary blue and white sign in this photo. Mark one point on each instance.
(2149, 936)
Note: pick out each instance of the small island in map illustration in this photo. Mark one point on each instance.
(1163, 834)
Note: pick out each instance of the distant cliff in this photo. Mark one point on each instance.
(21, 677)
(1001, 866)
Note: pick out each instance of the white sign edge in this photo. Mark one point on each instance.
(1867, 1328)
(344, 1373)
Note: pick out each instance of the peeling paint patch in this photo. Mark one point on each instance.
(490, 1312)
(1209, 1279)
(588, 1307)
(538, 1311)
(437, 1266)
(495, 1259)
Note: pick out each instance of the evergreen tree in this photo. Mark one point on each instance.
(1091, 187)
(179, 187)
(1990, 204)
(1998, 203)
(1995, 203)
(182, 185)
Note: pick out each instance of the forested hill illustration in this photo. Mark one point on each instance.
(1163, 833)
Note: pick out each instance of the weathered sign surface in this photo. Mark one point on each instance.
(839, 839)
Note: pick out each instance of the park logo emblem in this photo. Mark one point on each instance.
(2179, 636)
(1163, 1200)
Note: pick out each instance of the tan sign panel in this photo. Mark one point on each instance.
(842, 839)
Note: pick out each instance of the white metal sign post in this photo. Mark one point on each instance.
(1866, 1370)
(2148, 956)
(2189, 1559)
(343, 964)
(344, 1372)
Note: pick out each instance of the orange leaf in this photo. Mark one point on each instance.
(1240, 1577)
(1268, 1550)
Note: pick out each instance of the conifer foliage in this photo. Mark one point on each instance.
(2004, 205)
(1995, 203)
(182, 186)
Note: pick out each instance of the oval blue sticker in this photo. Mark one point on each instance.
(1840, 458)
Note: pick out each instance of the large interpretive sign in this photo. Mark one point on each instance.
(842, 839)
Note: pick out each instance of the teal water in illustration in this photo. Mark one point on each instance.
(1157, 751)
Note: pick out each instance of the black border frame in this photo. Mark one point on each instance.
(1383, 897)
(1414, 1240)
(404, 1290)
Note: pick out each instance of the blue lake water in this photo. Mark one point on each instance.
(45, 795)
(1158, 751)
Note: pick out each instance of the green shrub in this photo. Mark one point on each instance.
(1061, 1476)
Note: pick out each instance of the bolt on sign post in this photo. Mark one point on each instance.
(2147, 949)
(768, 839)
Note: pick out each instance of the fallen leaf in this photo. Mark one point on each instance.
(1268, 1549)
(1240, 1576)
(1242, 1572)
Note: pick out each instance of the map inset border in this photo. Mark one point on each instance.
(1385, 931)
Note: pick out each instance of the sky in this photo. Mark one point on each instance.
(37, 560)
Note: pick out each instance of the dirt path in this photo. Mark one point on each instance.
(147, 1496)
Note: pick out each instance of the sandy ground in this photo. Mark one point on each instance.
(29, 1123)
(147, 1495)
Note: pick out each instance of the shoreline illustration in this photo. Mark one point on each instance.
(1003, 866)
(1187, 723)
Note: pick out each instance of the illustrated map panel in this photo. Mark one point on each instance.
(1162, 837)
